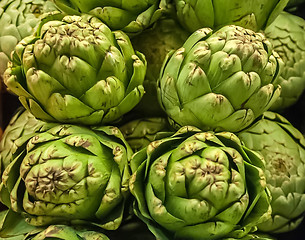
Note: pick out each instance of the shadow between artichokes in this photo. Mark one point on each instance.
(220, 80)
(74, 69)
(70, 175)
(283, 148)
(199, 185)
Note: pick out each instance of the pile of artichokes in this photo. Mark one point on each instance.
(157, 119)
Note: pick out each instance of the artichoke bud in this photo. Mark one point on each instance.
(283, 149)
(237, 66)
(78, 58)
(177, 178)
(70, 174)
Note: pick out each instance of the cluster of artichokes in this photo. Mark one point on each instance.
(158, 119)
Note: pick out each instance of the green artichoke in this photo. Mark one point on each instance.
(283, 148)
(141, 132)
(220, 80)
(166, 35)
(75, 70)
(199, 185)
(18, 19)
(14, 227)
(70, 174)
(22, 127)
(287, 35)
(130, 16)
(252, 14)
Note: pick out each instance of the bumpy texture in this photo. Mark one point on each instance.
(199, 185)
(130, 16)
(220, 80)
(254, 14)
(76, 70)
(18, 19)
(283, 148)
(70, 174)
(287, 35)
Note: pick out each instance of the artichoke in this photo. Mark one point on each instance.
(141, 132)
(22, 127)
(283, 148)
(252, 14)
(287, 35)
(220, 80)
(130, 16)
(76, 70)
(155, 43)
(70, 175)
(199, 185)
(13, 226)
(18, 19)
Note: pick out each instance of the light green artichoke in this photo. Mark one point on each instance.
(220, 80)
(283, 148)
(18, 19)
(74, 69)
(22, 127)
(287, 35)
(141, 132)
(199, 185)
(14, 227)
(70, 175)
(155, 43)
(252, 14)
(130, 16)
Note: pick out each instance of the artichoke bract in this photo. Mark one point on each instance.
(21, 128)
(166, 35)
(141, 132)
(287, 35)
(283, 148)
(74, 69)
(252, 14)
(199, 185)
(65, 232)
(18, 19)
(70, 175)
(130, 16)
(220, 80)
